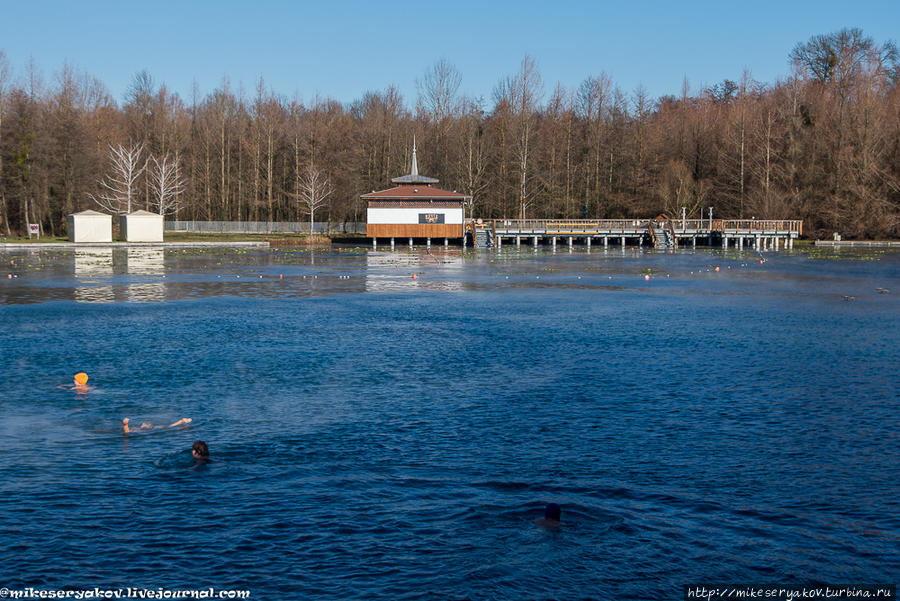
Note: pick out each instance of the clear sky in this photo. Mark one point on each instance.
(343, 49)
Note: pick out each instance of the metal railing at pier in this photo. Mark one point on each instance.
(265, 227)
(576, 227)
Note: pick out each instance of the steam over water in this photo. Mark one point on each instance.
(376, 436)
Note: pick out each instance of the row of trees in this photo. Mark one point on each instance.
(822, 145)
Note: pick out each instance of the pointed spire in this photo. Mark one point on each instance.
(414, 177)
(414, 169)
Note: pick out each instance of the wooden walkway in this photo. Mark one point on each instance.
(667, 233)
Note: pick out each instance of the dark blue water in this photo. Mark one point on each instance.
(375, 436)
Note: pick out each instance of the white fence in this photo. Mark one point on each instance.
(264, 227)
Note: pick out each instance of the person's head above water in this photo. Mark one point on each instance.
(81, 379)
(552, 512)
(200, 450)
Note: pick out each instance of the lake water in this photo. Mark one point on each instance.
(376, 436)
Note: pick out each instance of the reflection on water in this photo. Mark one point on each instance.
(94, 266)
(146, 260)
(395, 271)
(155, 274)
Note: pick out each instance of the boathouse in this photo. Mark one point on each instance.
(414, 209)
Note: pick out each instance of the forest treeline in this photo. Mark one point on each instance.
(822, 145)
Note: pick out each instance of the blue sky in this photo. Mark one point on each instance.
(343, 49)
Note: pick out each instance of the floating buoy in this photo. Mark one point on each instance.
(646, 277)
(81, 378)
(415, 277)
(717, 268)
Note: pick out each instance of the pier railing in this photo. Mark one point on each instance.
(679, 227)
(569, 226)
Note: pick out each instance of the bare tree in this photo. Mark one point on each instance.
(438, 89)
(165, 184)
(523, 92)
(120, 187)
(314, 187)
(4, 77)
(473, 163)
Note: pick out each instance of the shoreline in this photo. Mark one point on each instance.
(859, 243)
(58, 245)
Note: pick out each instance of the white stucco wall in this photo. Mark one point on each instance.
(405, 215)
(141, 226)
(90, 226)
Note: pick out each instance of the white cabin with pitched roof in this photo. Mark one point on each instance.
(90, 226)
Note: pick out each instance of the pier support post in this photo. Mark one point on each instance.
(605, 242)
(428, 242)
(776, 243)
(554, 242)
(759, 244)
(588, 242)
(740, 243)
(694, 241)
(724, 241)
(499, 242)
(791, 243)
(623, 241)
(571, 239)
(374, 243)
(410, 242)
(446, 241)
(518, 241)
(534, 241)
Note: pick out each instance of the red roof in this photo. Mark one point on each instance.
(413, 192)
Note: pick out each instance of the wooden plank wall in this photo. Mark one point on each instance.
(414, 230)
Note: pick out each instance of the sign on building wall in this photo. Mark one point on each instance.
(431, 218)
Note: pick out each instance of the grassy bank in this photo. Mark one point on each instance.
(32, 240)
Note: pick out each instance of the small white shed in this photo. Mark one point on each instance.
(141, 226)
(90, 226)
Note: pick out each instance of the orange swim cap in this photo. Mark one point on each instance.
(81, 378)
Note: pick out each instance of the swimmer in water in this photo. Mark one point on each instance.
(79, 383)
(551, 517)
(200, 451)
(148, 426)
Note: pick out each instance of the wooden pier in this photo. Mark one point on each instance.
(760, 234)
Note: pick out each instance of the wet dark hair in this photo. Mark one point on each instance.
(201, 448)
(552, 512)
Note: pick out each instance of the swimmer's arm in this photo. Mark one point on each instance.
(182, 421)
